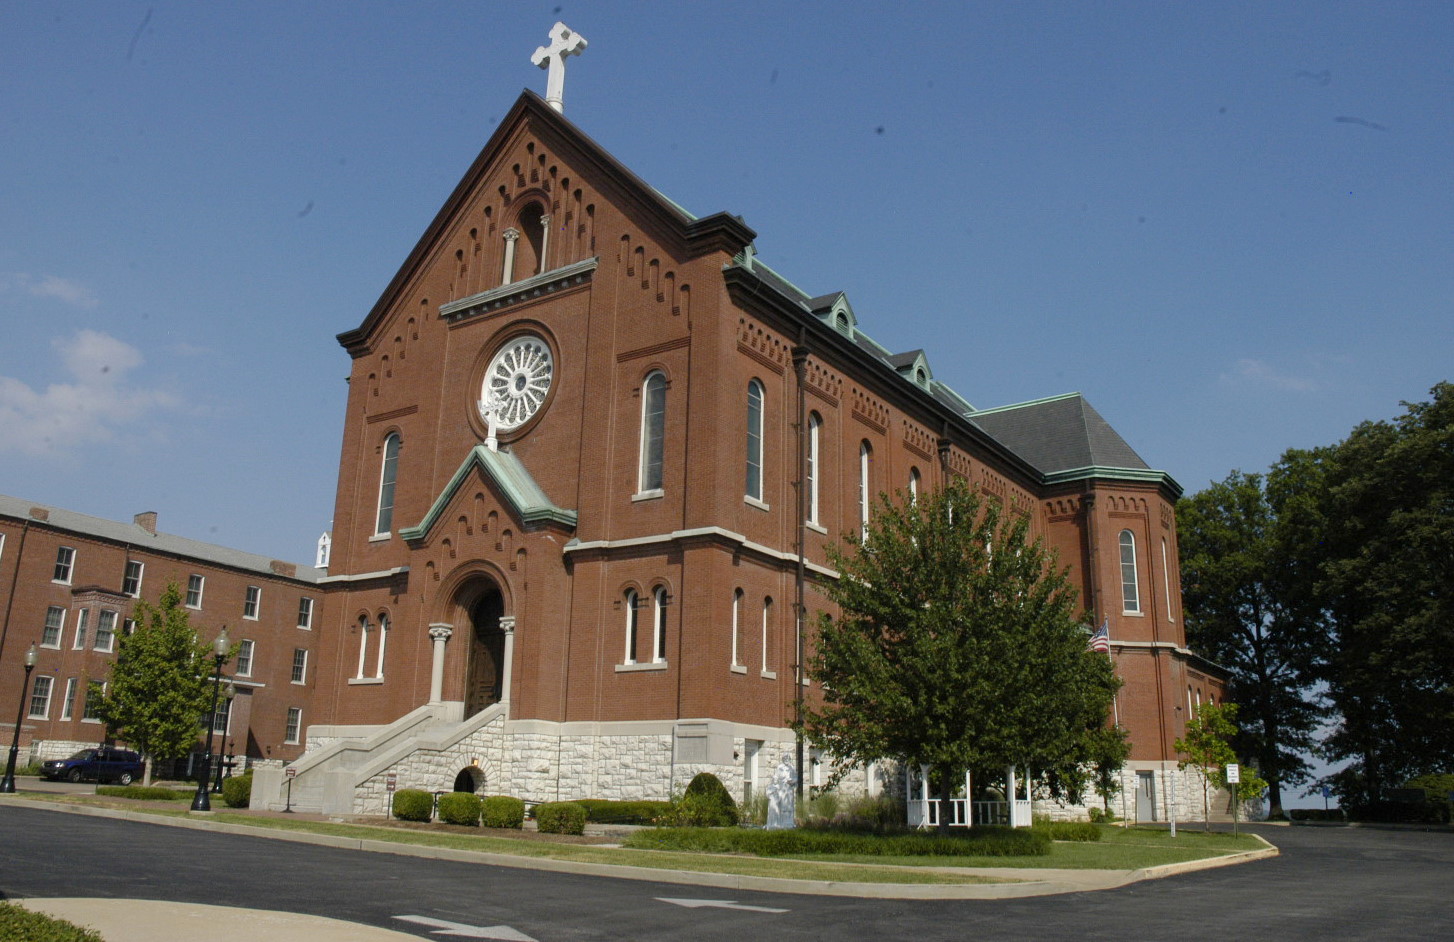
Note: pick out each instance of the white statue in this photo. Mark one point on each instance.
(782, 797)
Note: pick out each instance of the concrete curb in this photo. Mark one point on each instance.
(1026, 886)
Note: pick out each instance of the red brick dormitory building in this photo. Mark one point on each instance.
(566, 537)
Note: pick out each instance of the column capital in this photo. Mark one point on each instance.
(507, 624)
(511, 234)
(441, 632)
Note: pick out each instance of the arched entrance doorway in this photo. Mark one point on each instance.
(483, 683)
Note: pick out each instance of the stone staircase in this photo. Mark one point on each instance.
(345, 776)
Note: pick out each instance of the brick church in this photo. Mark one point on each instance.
(593, 454)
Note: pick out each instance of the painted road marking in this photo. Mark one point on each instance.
(463, 931)
(719, 904)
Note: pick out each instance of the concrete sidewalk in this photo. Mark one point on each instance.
(145, 920)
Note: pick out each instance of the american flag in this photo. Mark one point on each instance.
(1101, 640)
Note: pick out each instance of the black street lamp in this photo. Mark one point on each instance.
(202, 801)
(7, 784)
(228, 693)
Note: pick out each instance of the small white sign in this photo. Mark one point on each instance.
(292, 772)
(1234, 774)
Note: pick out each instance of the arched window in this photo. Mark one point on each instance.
(914, 482)
(754, 440)
(1166, 579)
(631, 623)
(1130, 587)
(658, 613)
(815, 430)
(383, 642)
(388, 475)
(363, 642)
(653, 429)
(737, 628)
(865, 457)
(766, 622)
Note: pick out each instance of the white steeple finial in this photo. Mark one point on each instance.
(563, 43)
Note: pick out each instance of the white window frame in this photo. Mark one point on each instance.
(1130, 575)
(1166, 579)
(766, 622)
(65, 567)
(88, 704)
(650, 472)
(633, 625)
(737, 628)
(383, 643)
(300, 666)
(246, 651)
(223, 713)
(388, 485)
(658, 625)
(915, 480)
(68, 704)
(815, 468)
(106, 631)
(131, 578)
(59, 628)
(756, 407)
(78, 643)
(293, 727)
(196, 586)
(252, 602)
(363, 644)
(305, 612)
(865, 457)
(43, 698)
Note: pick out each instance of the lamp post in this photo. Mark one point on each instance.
(7, 784)
(201, 801)
(228, 693)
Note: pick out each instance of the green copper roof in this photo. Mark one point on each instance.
(508, 474)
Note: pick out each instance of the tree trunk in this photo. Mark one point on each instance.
(1206, 801)
(146, 770)
(945, 790)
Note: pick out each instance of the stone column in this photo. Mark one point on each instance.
(508, 275)
(507, 625)
(440, 633)
(544, 242)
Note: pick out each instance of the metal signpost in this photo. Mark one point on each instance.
(1234, 777)
(292, 773)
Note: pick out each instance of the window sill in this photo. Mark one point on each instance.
(647, 666)
(769, 675)
(653, 494)
(60, 582)
(817, 527)
(1134, 614)
(32, 716)
(52, 647)
(739, 668)
(92, 722)
(380, 537)
(249, 618)
(754, 502)
(364, 681)
(298, 683)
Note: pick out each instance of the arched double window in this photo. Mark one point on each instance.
(1130, 583)
(383, 643)
(815, 431)
(653, 432)
(388, 477)
(754, 440)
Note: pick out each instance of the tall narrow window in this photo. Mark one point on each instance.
(754, 440)
(131, 582)
(295, 722)
(95, 693)
(251, 601)
(305, 613)
(766, 624)
(195, 584)
(221, 716)
(1166, 578)
(55, 623)
(388, 475)
(106, 630)
(631, 625)
(65, 563)
(658, 612)
(300, 665)
(815, 432)
(737, 628)
(70, 702)
(81, 618)
(653, 431)
(383, 642)
(1130, 588)
(865, 455)
(40, 697)
(244, 657)
(913, 485)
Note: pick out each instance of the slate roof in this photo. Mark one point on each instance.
(1063, 433)
(136, 535)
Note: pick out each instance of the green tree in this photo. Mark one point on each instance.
(1208, 748)
(957, 644)
(161, 682)
(1386, 563)
(1109, 749)
(1247, 594)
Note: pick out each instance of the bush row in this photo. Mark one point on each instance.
(144, 792)
(22, 925)
(977, 842)
(605, 811)
(1068, 830)
(560, 817)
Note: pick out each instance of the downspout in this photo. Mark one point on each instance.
(800, 370)
(14, 580)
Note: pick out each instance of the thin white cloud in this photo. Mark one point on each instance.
(53, 286)
(94, 407)
(1256, 373)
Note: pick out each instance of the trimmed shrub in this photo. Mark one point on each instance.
(1316, 814)
(1101, 816)
(502, 811)
(800, 842)
(17, 922)
(460, 808)
(237, 791)
(413, 804)
(605, 811)
(1068, 830)
(560, 817)
(144, 792)
(713, 795)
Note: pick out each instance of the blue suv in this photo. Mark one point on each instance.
(103, 764)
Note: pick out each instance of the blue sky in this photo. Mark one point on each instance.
(1228, 224)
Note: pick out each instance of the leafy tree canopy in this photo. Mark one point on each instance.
(957, 644)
